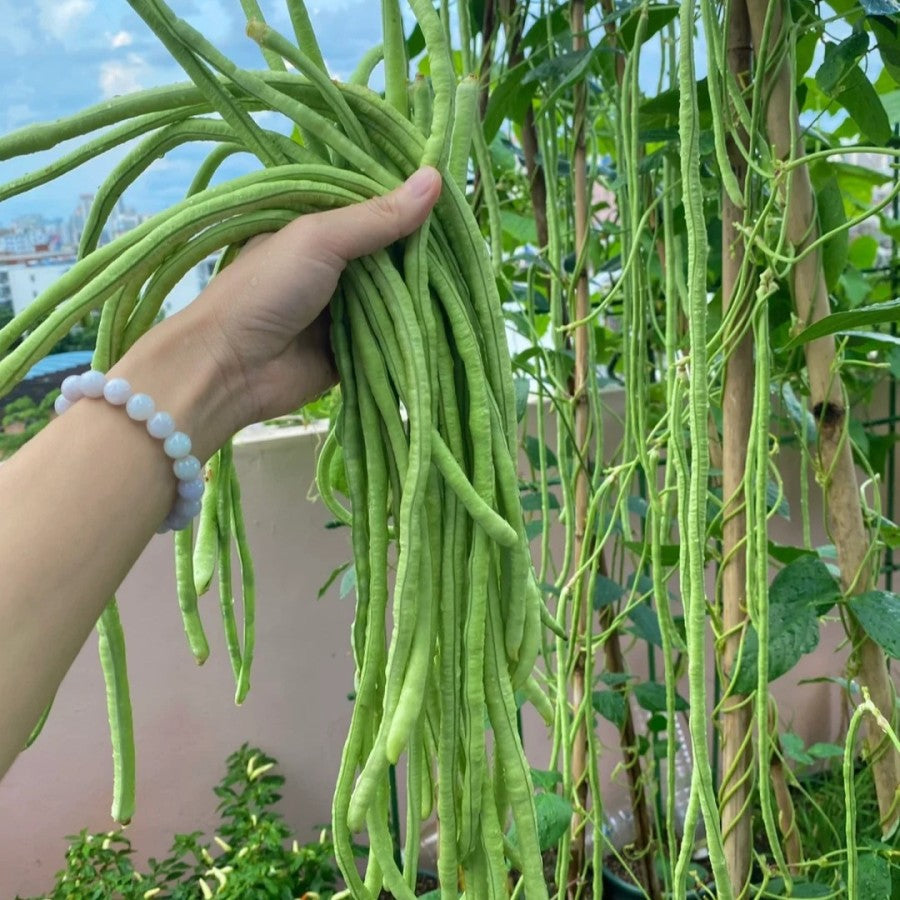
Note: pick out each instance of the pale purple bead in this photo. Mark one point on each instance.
(117, 391)
(161, 425)
(191, 490)
(184, 507)
(165, 526)
(61, 404)
(71, 388)
(187, 468)
(92, 383)
(177, 445)
(177, 522)
(140, 407)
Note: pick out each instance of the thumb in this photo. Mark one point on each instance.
(363, 228)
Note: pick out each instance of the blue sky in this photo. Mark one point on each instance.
(58, 56)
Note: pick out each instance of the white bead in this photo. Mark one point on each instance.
(71, 388)
(191, 490)
(187, 468)
(177, 445)
(61, 404)
(92, 383)
(161, 425)
(140, 407)
(117, 391)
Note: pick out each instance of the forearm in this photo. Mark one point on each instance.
(80, 502)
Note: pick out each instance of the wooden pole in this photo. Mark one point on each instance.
(737, 411)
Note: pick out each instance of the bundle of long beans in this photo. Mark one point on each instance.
(426, 432)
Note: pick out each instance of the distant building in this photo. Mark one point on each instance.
(35, 253)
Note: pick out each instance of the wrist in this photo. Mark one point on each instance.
(178, 364)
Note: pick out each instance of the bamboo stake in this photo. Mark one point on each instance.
(737, 409)
(835, 462)
(582, 413)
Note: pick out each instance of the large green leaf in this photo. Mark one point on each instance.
(832, 218)
(840, 60)
(879, 614)
(861, 100)
(651, 695)
(554, 814)
(886, 34)
(874, 877)
(657, 17)
(876, 314)
(508, 100)
(610, 705)
(805, 581)
(801, 592)
(841, 79)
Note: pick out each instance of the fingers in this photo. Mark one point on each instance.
(363, 228)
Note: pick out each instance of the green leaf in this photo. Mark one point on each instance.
(554, 815)
(793, 747)
(800, 592)
(874, 877)
(348, 582)
(521, 386)
(606, 591)
(784, 554)
(532, 451)
(821, 750)
(855, 285)
(646, 624)
(509, 99)
(879, 614)
(651, 695)
(522, 229)
(877, 314)
(863, 251)
(614, 679)
(773, 495)
(331, 579)
(886, 34)
(805, 581)
(657, 17)
(840, 59)
(610, 705)
(830, 205)
(861, 100)
(545, 780)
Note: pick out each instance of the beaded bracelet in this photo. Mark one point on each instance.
(141, 408)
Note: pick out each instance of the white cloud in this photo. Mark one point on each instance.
(121, 39)
(61, 17)
(117, 77)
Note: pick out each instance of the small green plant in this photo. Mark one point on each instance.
(22, 420)
(253, 855)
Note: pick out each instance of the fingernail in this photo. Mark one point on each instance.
(422, 182)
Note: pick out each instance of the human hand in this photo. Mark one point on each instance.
(267, 312)
(255, 343)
